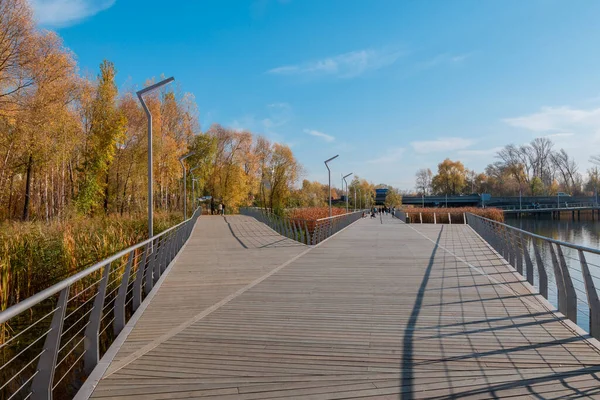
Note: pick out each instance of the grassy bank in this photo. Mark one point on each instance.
(36, 255)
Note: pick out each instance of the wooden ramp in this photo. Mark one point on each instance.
(382, 310)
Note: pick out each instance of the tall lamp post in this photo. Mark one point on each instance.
(329, 173)
(140, 95)
(344, 178)
(193, 185)
(184, 184)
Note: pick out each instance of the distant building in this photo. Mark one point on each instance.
(380, 195)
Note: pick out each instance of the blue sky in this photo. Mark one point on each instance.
(390, 86)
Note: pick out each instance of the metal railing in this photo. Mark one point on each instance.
(547, 206)
(564, 273)
(310, 232)
(51, 341)
(432, 217)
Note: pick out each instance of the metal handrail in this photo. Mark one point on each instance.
(309, 232)
(127, 278)
(534, 235)
(555, 265)
(547, 206)
(54, 289)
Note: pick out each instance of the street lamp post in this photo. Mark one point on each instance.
(184, 184)
(354, 199)
(329, 174)
(194, 180)
(140, 95)
(359, 200)
(344, 179)
(520, 202)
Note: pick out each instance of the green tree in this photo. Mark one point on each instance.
(450, 178)
(107, 127)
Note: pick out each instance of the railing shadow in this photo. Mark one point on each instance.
(252, 234)
(407, 374)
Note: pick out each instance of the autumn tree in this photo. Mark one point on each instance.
(393, 197)
(107, 128)
(450, 178)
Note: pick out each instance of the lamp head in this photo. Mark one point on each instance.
(151, 88)
(332, 158)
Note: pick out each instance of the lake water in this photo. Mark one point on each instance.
(583, 232)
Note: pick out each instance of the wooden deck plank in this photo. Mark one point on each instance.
(381, 311)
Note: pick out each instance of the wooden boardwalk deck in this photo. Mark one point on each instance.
(381, 311)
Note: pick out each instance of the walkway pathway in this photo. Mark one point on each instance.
(381, 310)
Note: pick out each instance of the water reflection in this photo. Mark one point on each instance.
(584, 232)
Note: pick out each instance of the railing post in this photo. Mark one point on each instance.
(592, 296)
(139, 276)
(449, 219)
(421, 217)
(560, 283)
(150, 267)
(571, 300)
(434, 221)
(91, 341)
(307, 233)
(121, 297)
(542, 274)
(160, 243)
(528, 263)
(41, 386)
(517, 252)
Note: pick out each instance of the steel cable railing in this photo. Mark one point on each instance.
(564, 273)
(310, 232)
(55, 338)
(559, 205)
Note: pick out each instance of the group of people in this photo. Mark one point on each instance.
(382, 210)
(217, 210)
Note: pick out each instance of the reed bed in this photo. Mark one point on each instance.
(456, 214)
(36, 255)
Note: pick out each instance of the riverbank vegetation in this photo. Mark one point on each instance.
(535, 169)
(426, 214)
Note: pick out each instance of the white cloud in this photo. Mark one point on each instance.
(61, 13)
(391, 156)
(347, 65)
(324, 136)
(559, 135)
(480, 152)
(557, 119)
(442, 144)
(445, 58)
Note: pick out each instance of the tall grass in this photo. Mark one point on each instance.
(456, 214)
(36, 255)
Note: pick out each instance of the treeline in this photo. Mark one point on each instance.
(71, 144)
(535, 169)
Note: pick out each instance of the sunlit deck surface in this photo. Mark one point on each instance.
(382, 310)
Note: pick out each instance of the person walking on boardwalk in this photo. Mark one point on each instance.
(223, 208)
(220, 208)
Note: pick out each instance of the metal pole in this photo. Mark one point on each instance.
(446, 200)
(520, 204)
(329, 174)
(184, 184)
(344, 180)
(140, 95)
(354, 198)
(423, 200)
